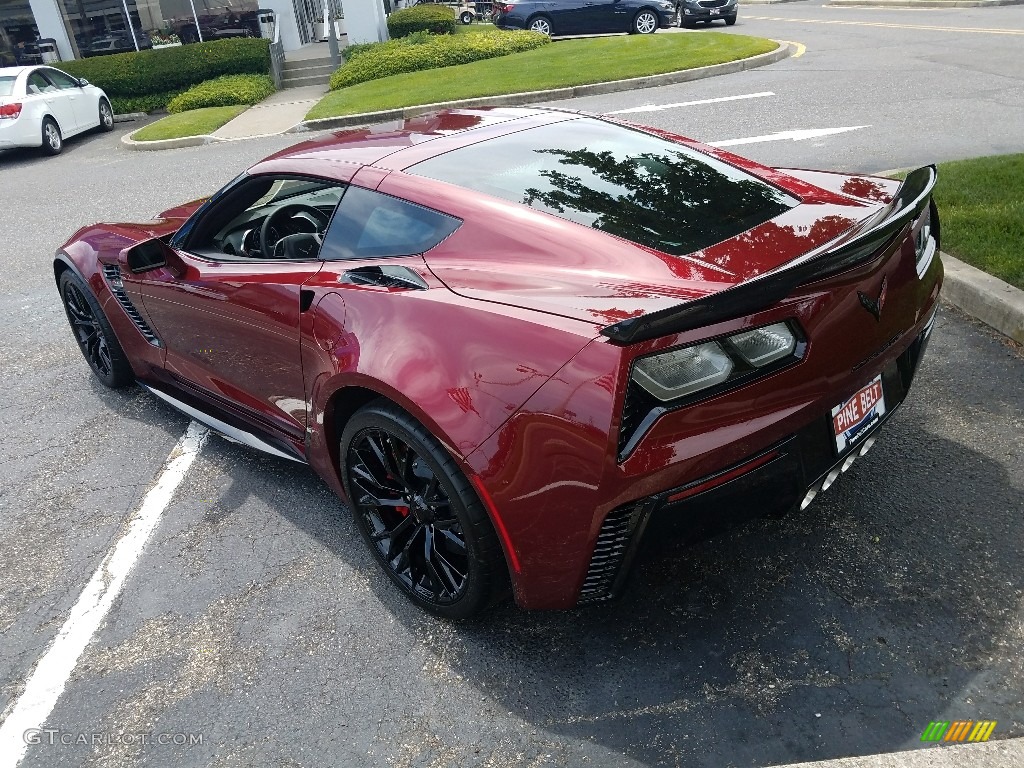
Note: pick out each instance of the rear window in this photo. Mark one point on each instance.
(639, 187)
(6, 86)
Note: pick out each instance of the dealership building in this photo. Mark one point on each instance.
(83, 28)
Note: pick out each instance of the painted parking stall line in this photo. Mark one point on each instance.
(801, 135)
(680, 104)
(47, 681)
(890, 25)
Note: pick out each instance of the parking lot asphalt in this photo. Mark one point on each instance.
(256, 619)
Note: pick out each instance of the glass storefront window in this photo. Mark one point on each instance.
(18, 34)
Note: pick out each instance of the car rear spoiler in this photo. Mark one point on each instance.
(849, 250)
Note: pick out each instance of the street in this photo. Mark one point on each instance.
(256, 617)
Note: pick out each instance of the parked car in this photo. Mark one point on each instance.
(585, 17)
(42, 106)
(689, 12)
(467, 11)
(121, 42)
(518, 342)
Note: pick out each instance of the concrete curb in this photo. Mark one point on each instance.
(130, 117)
(150, 146)
(530, 97)
(997, 304)
(920, 3)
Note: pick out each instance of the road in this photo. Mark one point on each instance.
(256, 619)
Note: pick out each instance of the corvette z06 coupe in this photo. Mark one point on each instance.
(520, 342)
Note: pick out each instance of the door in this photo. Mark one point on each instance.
(39, 88)
(228, 301)
(86, 110)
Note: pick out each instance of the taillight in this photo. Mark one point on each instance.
(10, 111)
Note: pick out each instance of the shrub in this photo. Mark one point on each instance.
(168, 71)
(437, 19)
(122, 105)
(395, 57)
(224, 91)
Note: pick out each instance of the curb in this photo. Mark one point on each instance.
(917, 3)
(997, 304)
(130, 117)
(150, 146)
(529, 97)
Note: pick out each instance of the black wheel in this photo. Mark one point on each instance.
(419, 514)
(466, 17)
(644, 23)
(53, 141)
(93, 333)
(730, 20)
(106, 116)
(540, 24)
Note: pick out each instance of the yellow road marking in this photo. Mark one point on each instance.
(801, 49)
(925, 27)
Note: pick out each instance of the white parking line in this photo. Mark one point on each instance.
(47, 681)
(662, 107)
(812, 133)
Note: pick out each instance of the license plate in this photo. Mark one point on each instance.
(715, 11)
(854, 418)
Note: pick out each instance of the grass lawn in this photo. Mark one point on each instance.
(981, 207)
(195, 122)
(559, 65)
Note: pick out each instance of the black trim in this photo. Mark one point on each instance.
(112, 273)
(767, 289)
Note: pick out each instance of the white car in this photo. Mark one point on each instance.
(42, 106)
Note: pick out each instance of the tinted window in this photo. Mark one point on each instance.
(624, 182)
(369, 224)
(6, 86)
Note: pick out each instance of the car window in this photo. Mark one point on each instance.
(38, 84)
(60, 80)
(649, 190)
(370, 224)
(6, 86)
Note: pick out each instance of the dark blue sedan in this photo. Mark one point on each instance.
(585, 17)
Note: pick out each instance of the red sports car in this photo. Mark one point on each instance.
(517, 340)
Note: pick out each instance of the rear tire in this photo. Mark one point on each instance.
(92, 331)
(540, 24)
(106, 116)
(645, 23)
(53, 141)
(419, 515)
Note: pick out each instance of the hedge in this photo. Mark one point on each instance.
(154, 75)
(396, 57)
(437, 19)
(224, 91)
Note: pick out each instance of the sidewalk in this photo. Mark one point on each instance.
(274, 115)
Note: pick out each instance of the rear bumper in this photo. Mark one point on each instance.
(22, 132)
(789, 473)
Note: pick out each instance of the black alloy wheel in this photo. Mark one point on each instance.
(93, 333)
(418, 513)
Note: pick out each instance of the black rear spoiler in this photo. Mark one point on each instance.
(764, 290)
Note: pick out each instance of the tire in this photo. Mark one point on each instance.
(466, 17)
(540, 24)
(53, 141)
(685, 24)
(93, 333)
(645, 23)
(106, 116)
(730, 20)
(419, 515)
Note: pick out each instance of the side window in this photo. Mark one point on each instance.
(38, 84)
(369, 224)
(59, 79)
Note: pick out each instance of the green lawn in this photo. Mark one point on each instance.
(195, 122)
(981, 208)
(559, 65)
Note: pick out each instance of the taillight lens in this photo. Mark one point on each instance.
(10, 111)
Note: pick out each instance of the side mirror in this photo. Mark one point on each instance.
(148, 255)
(82, 82)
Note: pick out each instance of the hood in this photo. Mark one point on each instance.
(550, 265)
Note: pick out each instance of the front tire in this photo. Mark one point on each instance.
(418, 513)
(106, 116)
(466, 17)
(644, 23)
(93, 333)
(730, 20)
(540, 24)
(53, 141)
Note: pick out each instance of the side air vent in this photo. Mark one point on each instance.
(609, 552)
(113, 274)
(389, 276)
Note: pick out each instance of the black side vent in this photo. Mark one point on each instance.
(609, 552)
(389, 276)
(113, 274)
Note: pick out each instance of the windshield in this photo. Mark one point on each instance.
(6, 86)
(639, 187)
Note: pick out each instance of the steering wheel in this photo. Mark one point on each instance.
(270, 231)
